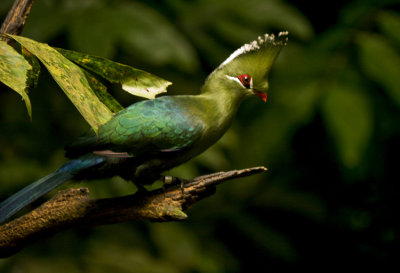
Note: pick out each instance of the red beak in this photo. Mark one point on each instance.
(261, 95)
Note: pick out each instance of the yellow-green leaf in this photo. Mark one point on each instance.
(389, 22)
(381, 62)
(13, 72)
(102, 93)
(348, 116)
(33, 74)
(72, 81)
(134, 81)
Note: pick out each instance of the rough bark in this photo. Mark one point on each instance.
(16, 18)
(74, 208)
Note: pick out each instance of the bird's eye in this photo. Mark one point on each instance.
(245, 79)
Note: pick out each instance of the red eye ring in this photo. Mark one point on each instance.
(245, 79)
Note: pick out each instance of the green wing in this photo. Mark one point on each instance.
(164, 123)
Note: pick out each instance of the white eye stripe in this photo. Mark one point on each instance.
(236, 79)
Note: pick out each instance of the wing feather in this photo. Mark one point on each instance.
(161, 124)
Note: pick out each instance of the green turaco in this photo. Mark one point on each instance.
(152, 136)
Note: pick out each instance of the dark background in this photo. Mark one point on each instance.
(329, 135)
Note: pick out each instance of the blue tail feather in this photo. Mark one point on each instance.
(31, 193)
(44, 185)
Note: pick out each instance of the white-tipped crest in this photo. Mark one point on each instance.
(268, 39)
(253, 60)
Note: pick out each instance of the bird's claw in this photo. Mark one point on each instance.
(170, 180)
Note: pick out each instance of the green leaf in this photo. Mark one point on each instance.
(102, 93)
(72, 81)
(33, 74)
(184, 253)
(389, 22)
(134, 81)
(46, 20)
(14, 71)
(302, 203)
(273, 241)
(234, 31)
(273, 14)
(151, 37)
(349, 119)
(381, 62)
(89, 27)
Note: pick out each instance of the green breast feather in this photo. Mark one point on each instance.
(164, 123)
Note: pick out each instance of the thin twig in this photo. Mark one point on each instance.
(74, 207)
(16, 18)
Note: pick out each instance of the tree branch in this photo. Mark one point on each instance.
(16, 18)
(74, 207)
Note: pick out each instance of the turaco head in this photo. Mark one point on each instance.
(245, 72)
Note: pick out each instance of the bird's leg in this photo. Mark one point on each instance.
(141, 190)
(170, 180)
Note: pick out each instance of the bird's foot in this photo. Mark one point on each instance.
(171, 180)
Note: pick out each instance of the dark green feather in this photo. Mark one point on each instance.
(153, 125)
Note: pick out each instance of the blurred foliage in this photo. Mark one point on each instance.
(329, 135)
